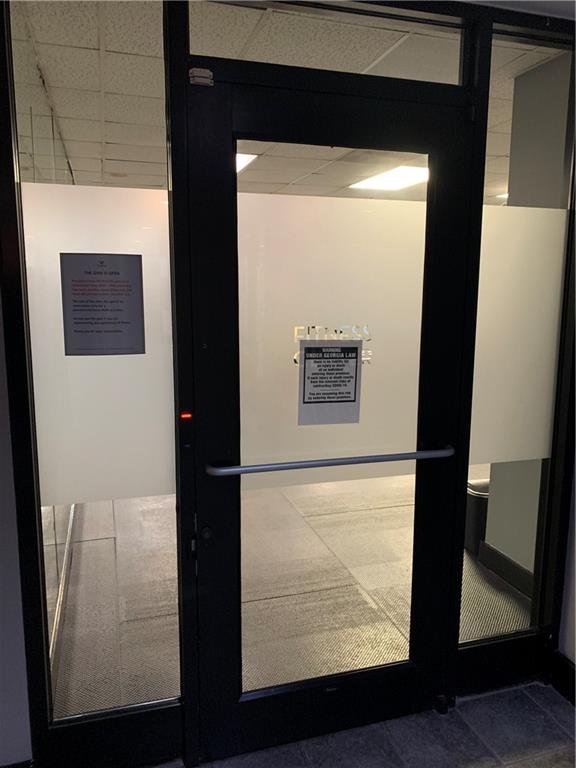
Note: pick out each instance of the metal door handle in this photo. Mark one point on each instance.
(282, 466)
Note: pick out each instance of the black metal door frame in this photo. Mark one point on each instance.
(271, 104)
(153, 733)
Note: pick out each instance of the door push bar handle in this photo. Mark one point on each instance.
(282, 466)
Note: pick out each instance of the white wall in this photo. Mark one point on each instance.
(105, 424)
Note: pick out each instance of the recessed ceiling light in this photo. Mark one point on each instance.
(243, 160)
(503, 197)
(397, 178)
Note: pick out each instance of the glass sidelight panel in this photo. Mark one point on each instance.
(342, 37)
(92, 149)
(520, 293)
(327, 267)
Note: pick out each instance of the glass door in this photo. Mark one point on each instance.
(328, 282)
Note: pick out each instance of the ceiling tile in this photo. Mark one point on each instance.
(423, 57)
(501, 86)
(83, 148)
(138, 181)
(64, 177)
(141, 135)
(133, 75)
(221, 30)
(130, 152)
(69, 67)
(86, 164)
(18, 26)
(306, 151)
(134, 168)
(80, 130)
(528, 61)
(498, 144)
(75, 103)
(504, 127)
(134, 109)
(302, 41)
(38, 126)
(286, 165)
(297, 189)
(63, 22)
(32, 97)
(499, 110)
(88, 177)
(41, 146)
(246, 186)
(497, 164)
(266, 177)
(133, 27)
(502, 55)
(253, 147)
(48, 162)
(24, 63)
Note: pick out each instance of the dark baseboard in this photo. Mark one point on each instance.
(561, 675)
(25, 764)
(508, 570)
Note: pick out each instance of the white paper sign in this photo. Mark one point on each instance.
(102, 301)
(329, 388)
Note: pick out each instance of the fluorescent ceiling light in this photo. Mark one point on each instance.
(503, 197)
(243, 160)
(397, 178)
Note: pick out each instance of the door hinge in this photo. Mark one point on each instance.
(193, 545)
(199, 76)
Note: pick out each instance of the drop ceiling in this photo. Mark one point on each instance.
(90, 89)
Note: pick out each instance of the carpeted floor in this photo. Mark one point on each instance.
(326, 573)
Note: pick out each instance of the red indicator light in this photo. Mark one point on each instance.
(185, 415)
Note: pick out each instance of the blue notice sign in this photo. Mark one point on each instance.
(103, 303)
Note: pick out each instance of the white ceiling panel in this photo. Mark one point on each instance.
(504, 127)
(497, 165)
(63, 22)
(86, 164)
(310, 191)
(292, 165)
(302, 151)
(68, 67)
(280, 176)
(83, 149)
(32, 97)
(87, 177)
(46, 162)
(253, 147)
(131, 152)
(134, 109)
(133, 75)
(220, 30)
(139, 181)
(502, 55)
(80, 130)
(246, 186)
(39, 126)
(498, 144)
(423, 57)
(140, 135)
(24, 63)
(301, 41)
(18, 24)
(499, 110)
(133, 27)
(528, 61)
(84, 105)
(41, 146)
(133, 168)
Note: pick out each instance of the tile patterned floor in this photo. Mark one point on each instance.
(326, 572)
(528, 727)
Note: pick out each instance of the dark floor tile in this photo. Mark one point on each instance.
(438, 741)
(555, 704)
(513, 725)
(562, 759)
(289, 756)
(368, 747)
